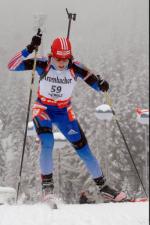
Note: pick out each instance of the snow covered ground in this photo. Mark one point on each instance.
(94, 214)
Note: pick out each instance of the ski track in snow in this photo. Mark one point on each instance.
(87, 214)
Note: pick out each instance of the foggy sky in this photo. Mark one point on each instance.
(97, 20)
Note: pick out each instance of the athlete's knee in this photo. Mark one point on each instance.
(80, 143)
(41, 129)
(44, 130)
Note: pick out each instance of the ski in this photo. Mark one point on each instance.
(136, 200)
(129, 200)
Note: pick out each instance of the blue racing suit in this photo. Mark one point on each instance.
(53, 106)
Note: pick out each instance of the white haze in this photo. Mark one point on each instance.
(101, 21)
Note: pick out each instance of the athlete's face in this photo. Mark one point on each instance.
(61, 64)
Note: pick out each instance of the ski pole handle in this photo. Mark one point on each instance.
(39, 34)
(71, 16)
(35, 58)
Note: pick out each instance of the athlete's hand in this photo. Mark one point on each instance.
(35, 43)
(103, 84)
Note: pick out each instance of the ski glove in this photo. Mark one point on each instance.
(35, 43)
(103, 84)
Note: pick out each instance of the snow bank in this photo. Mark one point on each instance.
(104, 112)
(92, 214)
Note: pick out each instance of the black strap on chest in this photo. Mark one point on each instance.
(46, 69)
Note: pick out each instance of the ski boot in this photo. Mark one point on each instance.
(109, 194)
(48, 190)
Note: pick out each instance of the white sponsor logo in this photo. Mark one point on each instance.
(72, 132)
(63, 52)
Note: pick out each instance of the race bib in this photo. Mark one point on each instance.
(57, 85)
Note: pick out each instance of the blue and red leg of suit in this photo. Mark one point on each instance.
(65, 121)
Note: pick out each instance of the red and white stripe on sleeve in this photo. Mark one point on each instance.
(15, 61)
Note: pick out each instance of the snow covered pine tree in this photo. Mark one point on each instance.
(58, 76)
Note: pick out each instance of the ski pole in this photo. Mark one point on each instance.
(71, 16)
(27, 118)
(109, 102)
